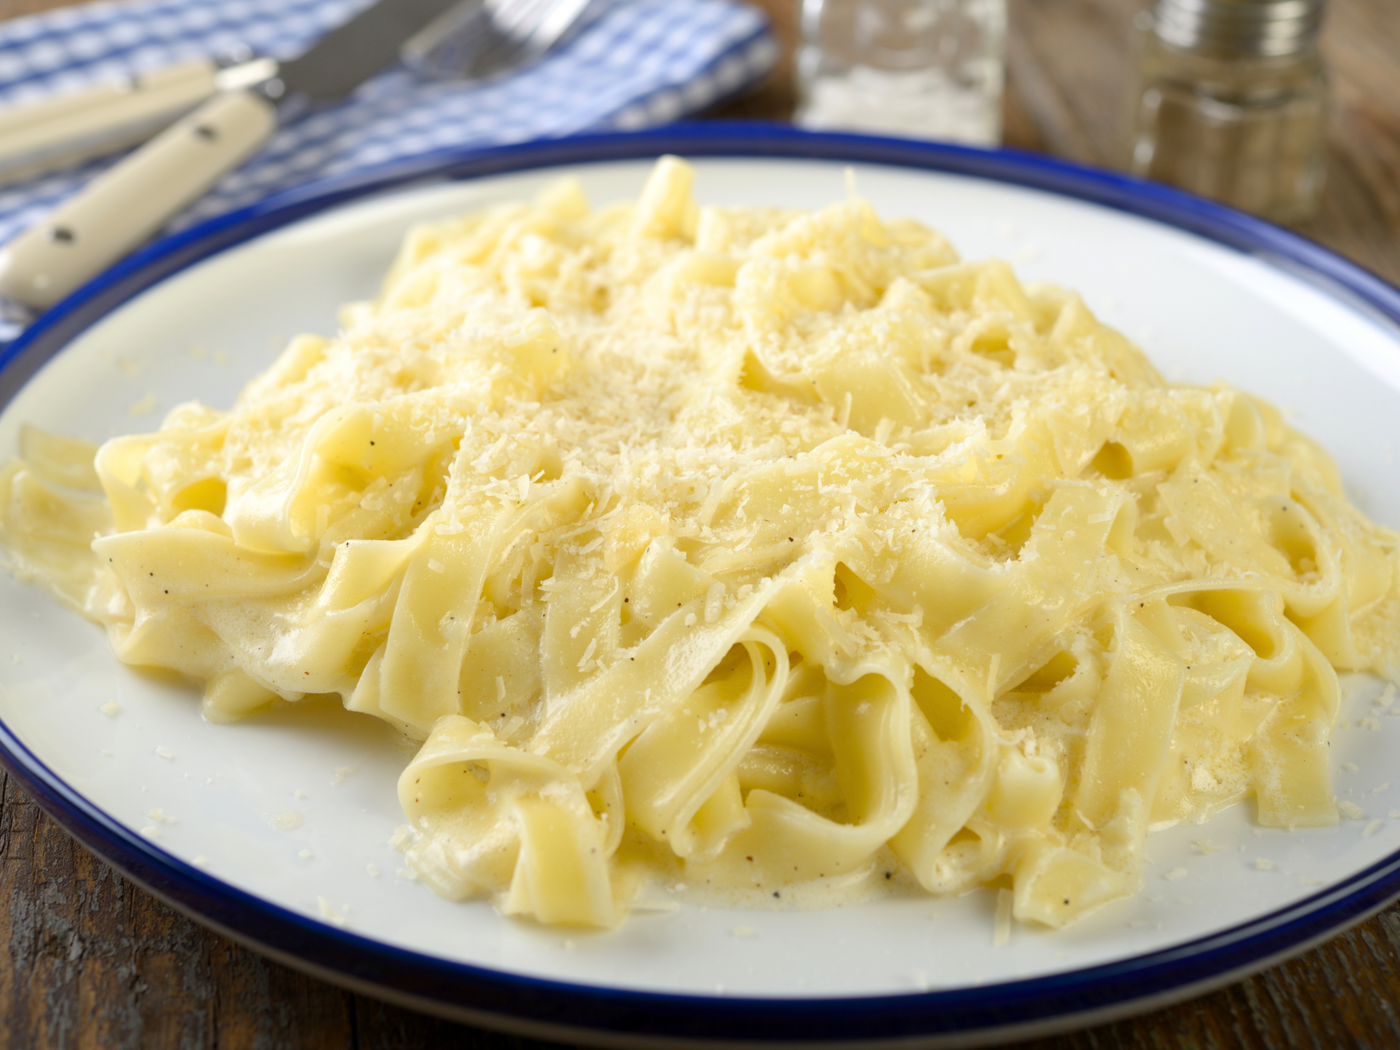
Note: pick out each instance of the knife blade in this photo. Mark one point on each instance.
(130, 201)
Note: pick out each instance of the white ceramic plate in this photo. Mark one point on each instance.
(277, 829)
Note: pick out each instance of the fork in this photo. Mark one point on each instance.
(472, 38)
(479, 38)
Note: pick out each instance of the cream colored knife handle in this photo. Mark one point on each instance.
(43, 135)
(130, 201)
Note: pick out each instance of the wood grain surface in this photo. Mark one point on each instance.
(89, 960)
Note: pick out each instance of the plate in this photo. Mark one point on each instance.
(275, 830)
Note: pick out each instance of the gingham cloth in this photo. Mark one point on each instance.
(629, 64)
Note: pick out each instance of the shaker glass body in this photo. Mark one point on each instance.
(921, 68)
(1245, 130)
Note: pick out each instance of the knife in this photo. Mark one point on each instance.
(130, 201)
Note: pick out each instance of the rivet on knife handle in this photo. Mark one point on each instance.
(130, 201)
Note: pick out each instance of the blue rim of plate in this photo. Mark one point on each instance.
(609, 1016)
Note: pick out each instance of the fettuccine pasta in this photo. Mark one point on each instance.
(751, 549)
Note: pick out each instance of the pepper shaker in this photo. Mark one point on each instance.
(921, 68)
(1231, 102)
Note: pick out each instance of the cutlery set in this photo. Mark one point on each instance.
(204, 118)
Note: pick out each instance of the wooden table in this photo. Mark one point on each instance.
(89, 960)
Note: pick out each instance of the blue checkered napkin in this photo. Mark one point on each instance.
(629, 64)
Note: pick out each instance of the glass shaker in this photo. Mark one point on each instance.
(917, 68)
(1231, 102)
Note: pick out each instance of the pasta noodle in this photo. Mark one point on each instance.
(765, 551)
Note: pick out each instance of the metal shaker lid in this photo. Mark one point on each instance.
(1238, 28)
